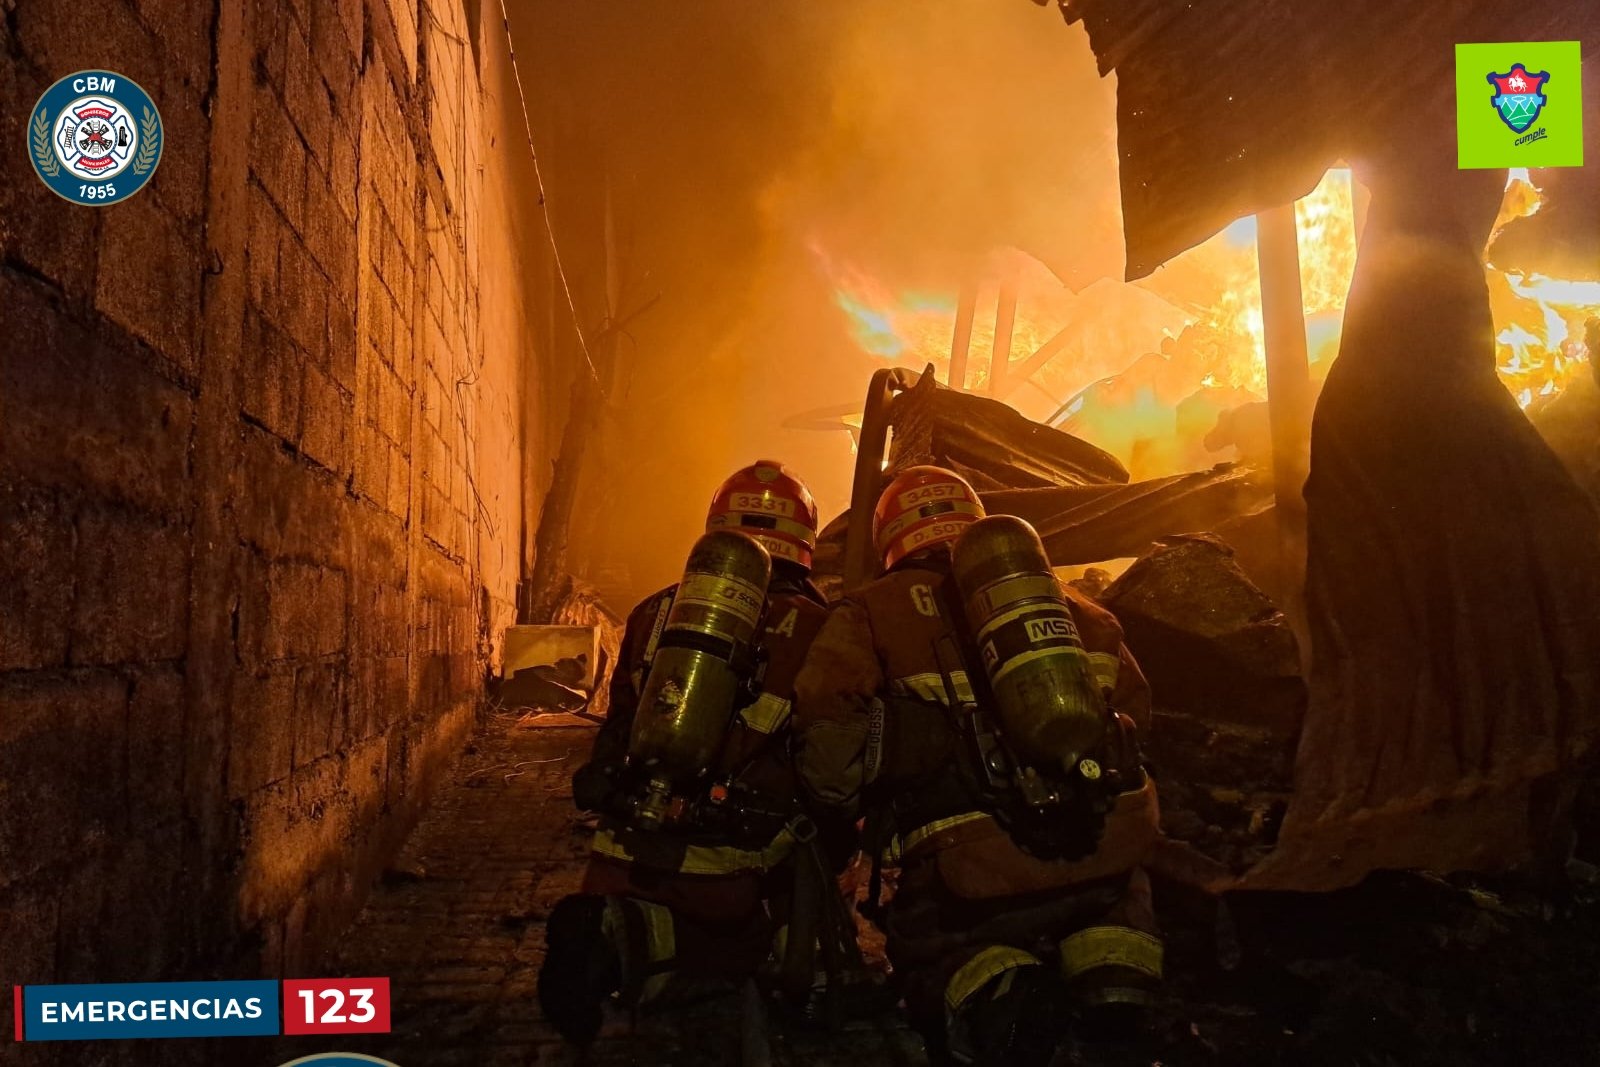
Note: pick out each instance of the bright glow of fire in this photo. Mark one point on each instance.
(912, 328)
(1131, 359)
(1325, 222)
(1540, 347)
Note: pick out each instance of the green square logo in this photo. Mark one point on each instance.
(1519, 105)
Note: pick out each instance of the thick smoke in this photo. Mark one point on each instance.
(751, 154)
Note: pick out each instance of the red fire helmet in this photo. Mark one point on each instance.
(766, 501)
(922, 507)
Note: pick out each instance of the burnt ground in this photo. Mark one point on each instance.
(1406, 969)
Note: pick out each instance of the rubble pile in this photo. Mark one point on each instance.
(1225, 671)
(1224, 787)
(1211, 644)
(991, 444)
(1077, 496)
(1405, 969)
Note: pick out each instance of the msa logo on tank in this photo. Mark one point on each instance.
(1048, 629)
(95, 138)
(1045, 630)
(338, 1059)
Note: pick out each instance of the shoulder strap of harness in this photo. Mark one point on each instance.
(663, 609)
(983, 753)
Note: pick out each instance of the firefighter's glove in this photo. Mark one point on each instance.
(595, 786)
(1069, 831)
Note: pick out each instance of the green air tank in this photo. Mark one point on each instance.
(702, 661)
(1047, 703)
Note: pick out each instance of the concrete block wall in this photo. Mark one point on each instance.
(261, 497)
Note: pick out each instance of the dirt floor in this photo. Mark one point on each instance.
(1404, 970)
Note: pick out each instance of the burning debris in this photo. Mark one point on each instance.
(1078, 497)
(1155, 370)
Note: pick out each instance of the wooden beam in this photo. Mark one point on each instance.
(962, 340)
(1005, 319)
(1044, 354)
(1288, 366)
(1289, 400)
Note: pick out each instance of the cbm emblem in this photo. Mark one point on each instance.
(1517, 97)
(95, 137)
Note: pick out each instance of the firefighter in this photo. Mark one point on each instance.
(675, 894)
(1020, 904)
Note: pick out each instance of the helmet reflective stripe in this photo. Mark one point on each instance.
(755, 524)
(929, 511)
(778, 548)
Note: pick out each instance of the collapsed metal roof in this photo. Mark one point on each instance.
(1228, 107)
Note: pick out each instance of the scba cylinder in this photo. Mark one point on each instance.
(1048, 705)
(702, 660)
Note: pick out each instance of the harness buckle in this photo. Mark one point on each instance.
(802, 829)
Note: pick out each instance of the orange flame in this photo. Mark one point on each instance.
(1538, 320)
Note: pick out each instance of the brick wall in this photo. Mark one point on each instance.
(261, 494)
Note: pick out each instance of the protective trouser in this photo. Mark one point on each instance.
(957, 956)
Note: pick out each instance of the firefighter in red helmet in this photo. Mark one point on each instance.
(982, 718)
(682, 868)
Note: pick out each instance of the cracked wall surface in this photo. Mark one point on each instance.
(261, 472)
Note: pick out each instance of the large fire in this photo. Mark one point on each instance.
(1538, 320)
(1146, 370)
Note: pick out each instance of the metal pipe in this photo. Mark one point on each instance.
(1005, 318)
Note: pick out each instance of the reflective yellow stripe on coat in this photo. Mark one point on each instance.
(1106, 668)
(660, 941)
(1112, 946)
(982, 969)
(930, 687)
(767, 714)
(899, 845)
(707, 859)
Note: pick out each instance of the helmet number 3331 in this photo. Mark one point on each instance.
(95, 137)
